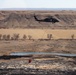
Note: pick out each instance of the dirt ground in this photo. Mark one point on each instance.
(61, 46)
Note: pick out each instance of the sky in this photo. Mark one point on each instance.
(37, 3)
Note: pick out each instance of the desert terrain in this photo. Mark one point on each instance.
(57, 46)
(38, 19)
(38, 31)
(37, 40)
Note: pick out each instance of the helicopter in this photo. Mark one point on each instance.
(48, 19)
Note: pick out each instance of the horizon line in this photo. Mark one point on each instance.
(38, 9)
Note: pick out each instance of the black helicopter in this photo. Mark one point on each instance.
(48, 19)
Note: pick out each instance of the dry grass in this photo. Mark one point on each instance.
(62, 46)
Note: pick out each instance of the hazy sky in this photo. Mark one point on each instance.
(37, 3)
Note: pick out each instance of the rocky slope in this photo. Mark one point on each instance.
(27, 19)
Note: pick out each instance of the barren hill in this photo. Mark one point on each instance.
(38, 19)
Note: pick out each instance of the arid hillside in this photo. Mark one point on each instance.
(38, 19)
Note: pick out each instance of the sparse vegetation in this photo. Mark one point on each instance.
(49, 36)
(0, 36)
(72, 36)
(24, 37)
(29, 37)
(8, 37)
(4, 37)
(15, 36)
(32, 40)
